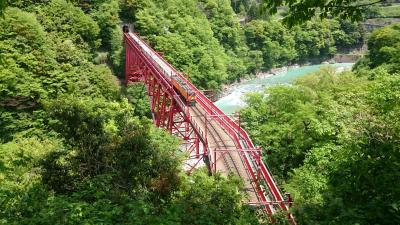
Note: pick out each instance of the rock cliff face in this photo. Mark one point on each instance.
(346, 58)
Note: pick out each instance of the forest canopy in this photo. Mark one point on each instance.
(206, 40)
(77, 147)
(335, 138)
(301, 11)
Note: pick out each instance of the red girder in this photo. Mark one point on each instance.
(171, 113)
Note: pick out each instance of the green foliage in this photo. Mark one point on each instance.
(314, 40)
(137, 95)
(107, 138)
(74, 150)
(274, 41)
(302, 11)
(36, 67)
(20, 171)
(249, 9)
(131, 7)
(349, 35)
(182, 32)
(3, 5)
(26, 5)
(73, 25)
(106, 16)
(229, 33)
(223, 22)
(384, 45)
(255, 62)
(384, 54)
(25, 53)
(27, 59)
(220, 195)
(332, 138)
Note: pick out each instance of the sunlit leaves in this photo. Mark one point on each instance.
(74, 24)
(384, 45)
(332, 141)
(184, 35)
(301, 11)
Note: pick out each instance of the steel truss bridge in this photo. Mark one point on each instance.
(210, 136)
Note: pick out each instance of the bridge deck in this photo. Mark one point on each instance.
(229, 157)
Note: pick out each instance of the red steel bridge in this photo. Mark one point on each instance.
(210, 136)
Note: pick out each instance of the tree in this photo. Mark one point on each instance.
(274, 40)
(3, 5)
(332, 139)
(74, 24)
(384, 47)
(27, 59)
(316, 39)
(180, 30)
(300, 11)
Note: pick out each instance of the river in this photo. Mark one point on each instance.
(234, 100)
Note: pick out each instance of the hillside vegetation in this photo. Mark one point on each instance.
(77, 148)
(334, 138)
(205, 40)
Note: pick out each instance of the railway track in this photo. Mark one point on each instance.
(220, 145)
(230, 160)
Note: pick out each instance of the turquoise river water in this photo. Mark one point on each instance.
(234, 100)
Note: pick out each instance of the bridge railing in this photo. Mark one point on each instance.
(231, 127)
(148, 60)
(239, 135)
(235, 131)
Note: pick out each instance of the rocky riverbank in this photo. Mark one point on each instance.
(228, 88)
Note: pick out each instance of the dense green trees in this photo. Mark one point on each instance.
(74, 148)
(273, 40)
(205, 40)
(183, 33)
(384, 51)
(106, 15)
(302, 11)
(201, 38)
(334, 139)
(314, 40)
(249, 9)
